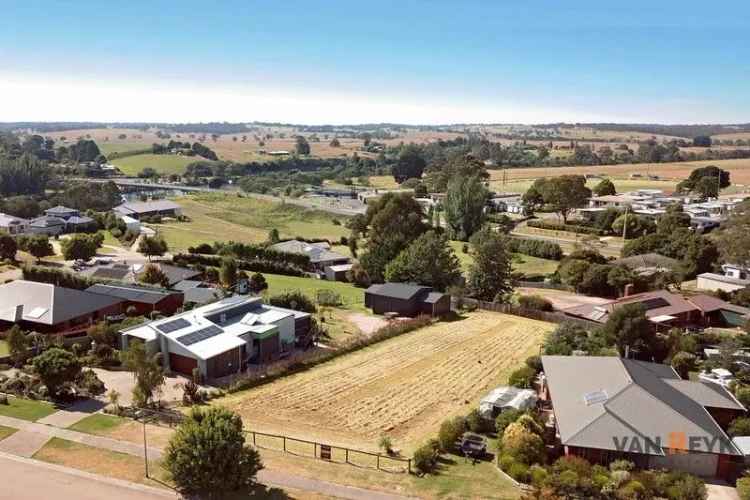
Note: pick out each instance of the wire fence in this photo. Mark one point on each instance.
(290, 445)
(330, 453)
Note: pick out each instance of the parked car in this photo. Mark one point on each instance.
(719, 376)
(473, 445)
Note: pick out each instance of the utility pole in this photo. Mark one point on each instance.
(625, 225)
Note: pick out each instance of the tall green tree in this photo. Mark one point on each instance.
(490, 276)
(8, 247)
(208, 457)
(464, 206)
(410, 164)
(605, 188)
(79, 247)
(56, 367)
(147, 372)
(628, 328)
(733, 238)
(18, 344)
(152, 246)
(228, 272)
(38, 246)
(301, 146)
(393, 221)
(565, 193)
(428, 260)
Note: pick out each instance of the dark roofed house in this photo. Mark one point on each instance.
(667, 309)
(48, 308)
(139, 209)
(320, 254)
(406, 300)
(144, 299)
(77, 224)
(609, 408)
(48, 225)
(61, 212)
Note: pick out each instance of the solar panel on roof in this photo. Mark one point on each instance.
(200, 335)
(173, 326)
(595, 397)
(654, 303)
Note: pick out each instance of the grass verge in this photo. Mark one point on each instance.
(26, 409)
(6, 431)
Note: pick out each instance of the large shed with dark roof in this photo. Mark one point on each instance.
(406, 300)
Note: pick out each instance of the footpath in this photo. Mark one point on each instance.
(32, 436)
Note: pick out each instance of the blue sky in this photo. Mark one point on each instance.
(347, 62)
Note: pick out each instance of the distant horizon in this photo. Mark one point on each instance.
(418, 62)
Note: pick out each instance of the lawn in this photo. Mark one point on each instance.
(224, 217)
(521, 263)
(4, 350)
(98, 423)
(98, 461)
(352, 297)
(6, 431)
(163, 164)
(107, 148)
(402, 387)
(26, 409)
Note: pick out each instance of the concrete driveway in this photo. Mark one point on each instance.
(562, 299)
(122, 382)
(721, 491)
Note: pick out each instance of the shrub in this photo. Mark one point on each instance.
(522, 377)
(56, 367)
(207, 455)
(625, 465)
(536, 248)
(425, 457)
(569, 227)
(743, 396)
(506, 418)
(519, 472)
(743, 488)
(358, 275)
(450, 432)
(740, 427)
(476, 423)
(88, 382)
(523, 445)
(537, 475)
(293, 300)
(534, 302)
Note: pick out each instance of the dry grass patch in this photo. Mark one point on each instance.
(403, 387)
(96, 460)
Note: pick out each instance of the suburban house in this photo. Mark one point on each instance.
(406, 300)
(648, 263)
(224, 337)
(13, 225)
(61, 212)
(143, 299)
(197, 292)
(320, 254)
(666, 309)
(174, 274)
(46, 308)
(59, 219)
(606, 408)
(139, 209)
(735, 278)
(47, 224)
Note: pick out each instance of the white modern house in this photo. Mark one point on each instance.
(221, 338)
(13, 225)
(735, 278)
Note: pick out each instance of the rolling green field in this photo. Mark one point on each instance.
(163, 164)
(107, 148)
(225, 217)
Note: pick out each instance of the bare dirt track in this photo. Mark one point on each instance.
(403, 387)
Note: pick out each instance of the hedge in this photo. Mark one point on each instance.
(58, 277)
(259, 252)
(255, 266)
(536, 248)
(571, 228)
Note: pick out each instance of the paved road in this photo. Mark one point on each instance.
(25, 479)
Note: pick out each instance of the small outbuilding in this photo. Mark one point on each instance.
(506, 398)
(406, 300)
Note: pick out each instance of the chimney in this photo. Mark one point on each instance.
(18, 313)
(628, 290)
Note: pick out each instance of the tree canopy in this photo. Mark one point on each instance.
(410, 164)
(428, 260)
(733, 238)
(464, 206)
(208, 456)
(490, 274)
(562, 194)
(605, 188)
(393, 221)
